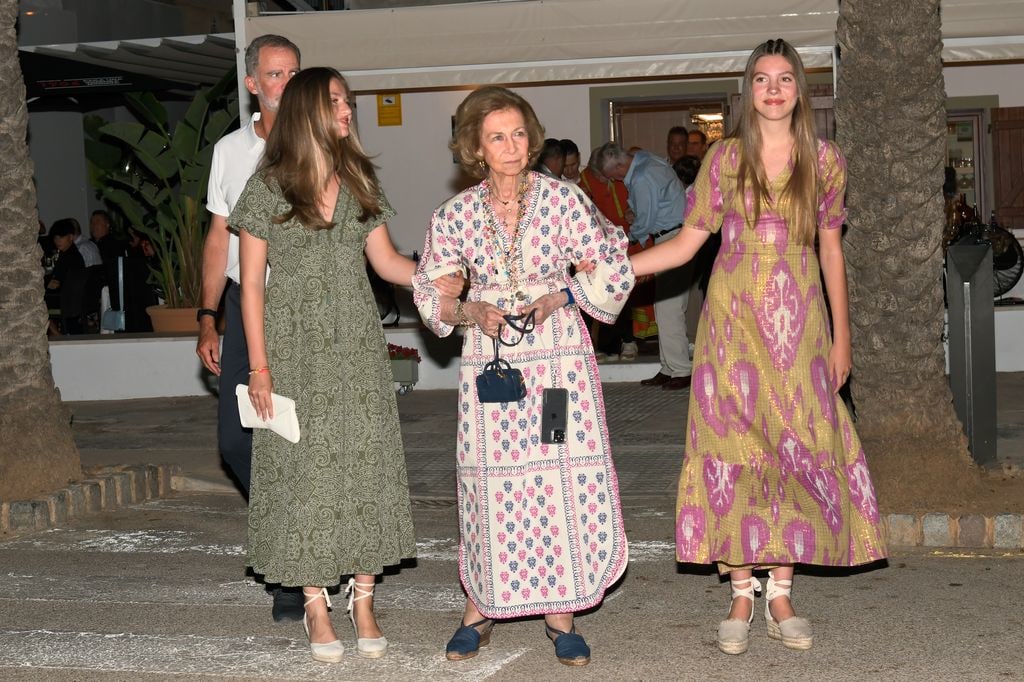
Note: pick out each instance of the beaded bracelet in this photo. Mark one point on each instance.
(259, 370)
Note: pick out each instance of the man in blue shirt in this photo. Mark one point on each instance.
(658, 201)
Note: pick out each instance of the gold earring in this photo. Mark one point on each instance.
(482, 164)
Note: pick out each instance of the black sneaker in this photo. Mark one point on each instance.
(287, 604)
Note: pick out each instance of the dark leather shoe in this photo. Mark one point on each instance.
(287, 604)
(676, 383)
(657, 380)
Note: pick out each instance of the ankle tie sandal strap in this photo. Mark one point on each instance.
(753, 586)
(319, 594)
(778, 588)
(354, 587)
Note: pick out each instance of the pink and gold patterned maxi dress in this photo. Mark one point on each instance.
(541, 528)
(773, 471)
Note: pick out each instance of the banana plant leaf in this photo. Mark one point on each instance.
(153, 173)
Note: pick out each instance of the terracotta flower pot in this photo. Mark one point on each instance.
(173, 320)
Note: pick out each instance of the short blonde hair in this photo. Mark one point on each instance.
(469, 120)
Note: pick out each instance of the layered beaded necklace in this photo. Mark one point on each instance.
(511, 257)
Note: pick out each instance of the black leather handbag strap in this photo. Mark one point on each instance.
(529, 323)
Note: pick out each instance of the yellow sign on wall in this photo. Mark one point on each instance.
(389, 110)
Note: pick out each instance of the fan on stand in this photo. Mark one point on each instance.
(1007, 256)
(1007, 262)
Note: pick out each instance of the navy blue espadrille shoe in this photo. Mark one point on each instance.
(467, 640)
(570, 647)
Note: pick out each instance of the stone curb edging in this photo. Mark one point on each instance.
(114, 487)
(104, 489)
(969, 531)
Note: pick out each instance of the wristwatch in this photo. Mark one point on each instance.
(205, 311)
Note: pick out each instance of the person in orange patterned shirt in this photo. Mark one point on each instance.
(618, 341)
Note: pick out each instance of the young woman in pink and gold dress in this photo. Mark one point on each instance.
(773, 472)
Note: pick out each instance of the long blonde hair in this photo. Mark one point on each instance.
(304, 133)
(799, 198)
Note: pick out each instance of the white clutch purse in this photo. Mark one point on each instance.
(284, 423)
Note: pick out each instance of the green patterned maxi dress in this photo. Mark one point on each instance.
(336, 502)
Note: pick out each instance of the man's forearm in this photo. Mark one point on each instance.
(215, 262)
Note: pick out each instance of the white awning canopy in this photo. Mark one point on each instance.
(528, 41)
(541, 41)
(193, 60)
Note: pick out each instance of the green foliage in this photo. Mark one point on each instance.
(156, 178)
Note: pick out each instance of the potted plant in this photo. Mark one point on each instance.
(156, 178)
(404, 366)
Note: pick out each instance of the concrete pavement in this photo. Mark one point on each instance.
(157, 590)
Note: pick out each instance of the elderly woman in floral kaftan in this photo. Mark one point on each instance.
(541, 525)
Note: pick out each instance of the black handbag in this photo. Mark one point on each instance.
(499, 382)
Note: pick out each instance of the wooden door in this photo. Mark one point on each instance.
(1008, 165)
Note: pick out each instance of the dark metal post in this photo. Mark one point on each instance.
(972, 345)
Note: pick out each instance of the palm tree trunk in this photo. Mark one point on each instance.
(891, 123)
(37, 452)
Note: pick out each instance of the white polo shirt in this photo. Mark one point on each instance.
(235, 158)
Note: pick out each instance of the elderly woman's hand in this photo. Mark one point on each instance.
(545, 305)
(487, 316)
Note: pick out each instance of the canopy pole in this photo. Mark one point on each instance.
(239, 12)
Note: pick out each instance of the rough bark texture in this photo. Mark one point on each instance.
(37, 452)
(891, 123)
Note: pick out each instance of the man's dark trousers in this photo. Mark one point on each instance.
(235, 442)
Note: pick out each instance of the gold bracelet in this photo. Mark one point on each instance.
(259, 370)
(461, 320)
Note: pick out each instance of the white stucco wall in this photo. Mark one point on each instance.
(1003, 80)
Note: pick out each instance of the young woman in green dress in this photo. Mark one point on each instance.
(337, 502)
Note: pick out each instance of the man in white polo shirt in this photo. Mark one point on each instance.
(270, 62)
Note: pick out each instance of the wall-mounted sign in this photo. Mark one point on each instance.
(389, 110)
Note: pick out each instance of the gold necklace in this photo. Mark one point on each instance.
(519, 193)
(510, 258)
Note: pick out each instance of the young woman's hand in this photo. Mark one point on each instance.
(840, 360)
(585, 266)
(260, 388)
(450, 285)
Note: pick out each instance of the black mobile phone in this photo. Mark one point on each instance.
(555, 403)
